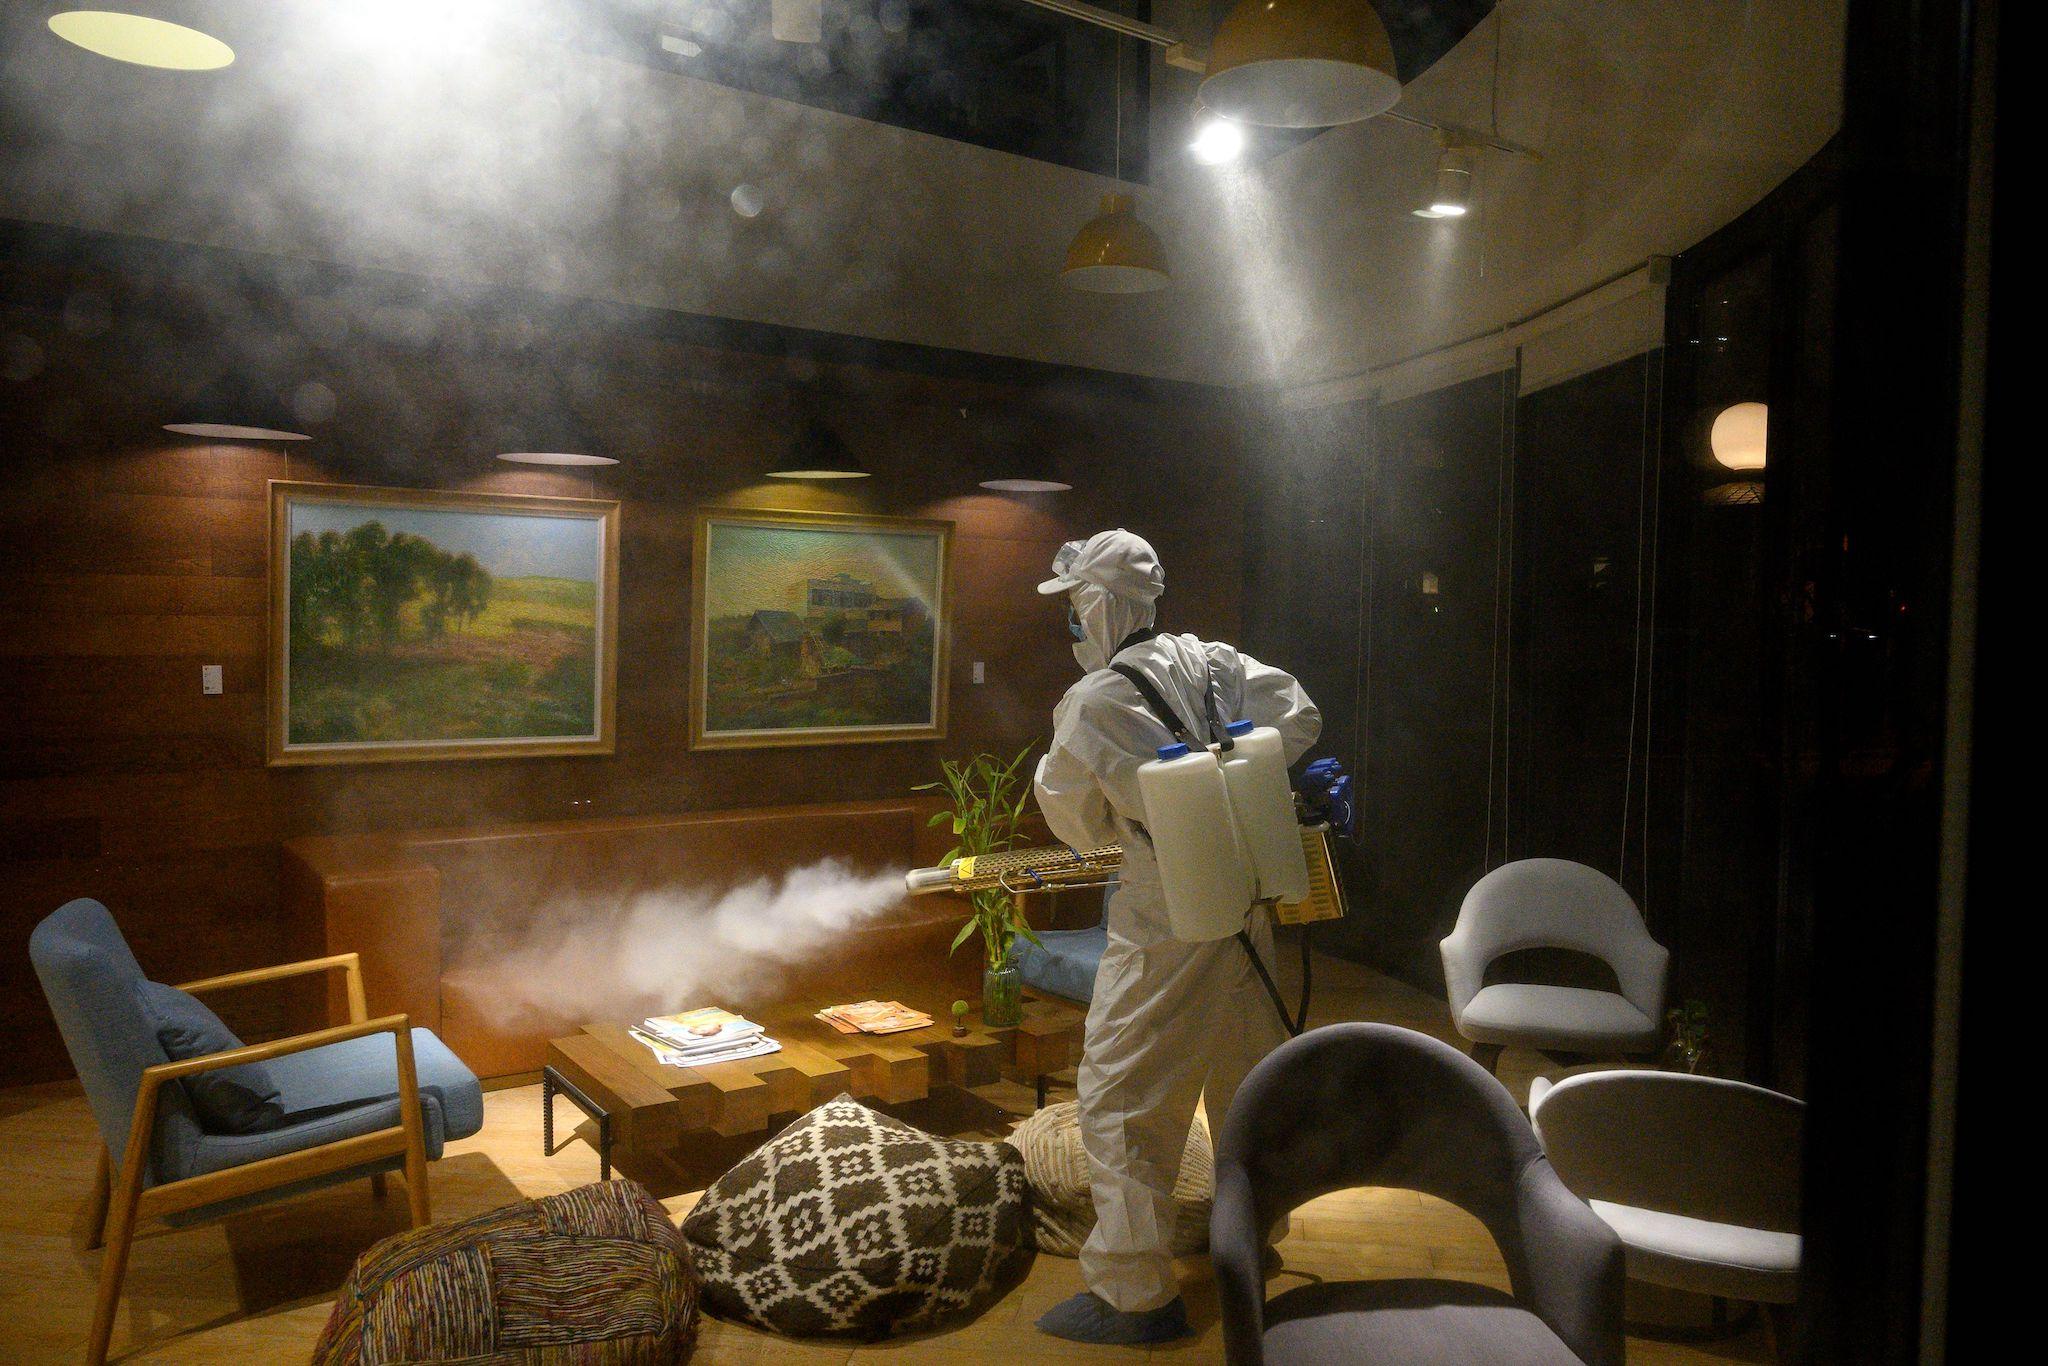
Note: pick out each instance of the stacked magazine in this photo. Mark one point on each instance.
(697, 1038)
(874, 1017)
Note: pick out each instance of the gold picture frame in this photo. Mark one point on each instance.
(465, 626)
(796, 617)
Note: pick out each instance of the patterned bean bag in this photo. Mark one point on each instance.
(849, 1222)
(1063, 1209)
(596, 1274)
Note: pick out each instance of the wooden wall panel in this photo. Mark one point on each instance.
(131, 557)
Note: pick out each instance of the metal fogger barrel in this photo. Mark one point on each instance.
(1019, 870)
(1029, 870)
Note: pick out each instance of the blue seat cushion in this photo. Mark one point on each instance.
(1066, 965)
(341, 1091)
(234, 1100)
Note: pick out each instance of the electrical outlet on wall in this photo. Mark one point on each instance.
(980, 672)
(209, 680)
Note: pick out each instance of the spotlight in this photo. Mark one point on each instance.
(1451, 192)
(1217, 141)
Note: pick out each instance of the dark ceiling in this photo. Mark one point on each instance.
(998, 73)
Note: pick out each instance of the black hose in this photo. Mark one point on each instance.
(1307, 980)
(1244, 937)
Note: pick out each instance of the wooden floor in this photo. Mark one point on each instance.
(256, 1287)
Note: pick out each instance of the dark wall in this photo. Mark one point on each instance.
(1376, 574)
(1616, 663)
(132, 557)
(1584, 525)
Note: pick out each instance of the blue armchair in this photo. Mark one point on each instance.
(1063, 962)
(349, 1104)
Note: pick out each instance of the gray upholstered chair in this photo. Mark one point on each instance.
(1699, 1176)
(1549, 903)
(1373, 1105)
(357, 1100)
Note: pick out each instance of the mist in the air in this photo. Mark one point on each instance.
(668, 949)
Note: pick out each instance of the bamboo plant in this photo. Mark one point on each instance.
(989, 797)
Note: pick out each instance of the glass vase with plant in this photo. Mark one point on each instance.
(989, 796)
(1689, 1037)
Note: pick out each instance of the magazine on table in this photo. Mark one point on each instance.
(874, 1017)
(708, 1029)
(665, 1052)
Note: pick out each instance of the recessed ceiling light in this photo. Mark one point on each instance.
(555, 458)
(141, 40)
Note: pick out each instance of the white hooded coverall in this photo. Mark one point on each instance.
(1169, 1020)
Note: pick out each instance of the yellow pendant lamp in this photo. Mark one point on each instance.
(142, 39)
(1301, 64)
(1115, 253)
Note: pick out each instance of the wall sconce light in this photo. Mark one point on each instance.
(233, 408)
(1027, 468)
(550, 438)
(819, 453)
(1738, 438)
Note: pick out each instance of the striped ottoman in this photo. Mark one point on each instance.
(597, 1274)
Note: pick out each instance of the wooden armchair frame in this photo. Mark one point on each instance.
(119, 1203)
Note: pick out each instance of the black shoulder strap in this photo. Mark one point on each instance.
(1157, 704)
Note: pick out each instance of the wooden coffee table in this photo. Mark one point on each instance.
(648, 1107)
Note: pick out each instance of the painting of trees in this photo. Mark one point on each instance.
(354, 588)
(476, 622)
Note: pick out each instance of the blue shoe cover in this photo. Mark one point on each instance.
(1090, 1318)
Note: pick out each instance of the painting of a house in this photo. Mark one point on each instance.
(814, 629)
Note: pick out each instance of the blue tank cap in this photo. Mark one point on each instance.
(1238, 728)
(1173, 751)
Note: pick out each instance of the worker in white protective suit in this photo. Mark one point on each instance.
(1171, 1022)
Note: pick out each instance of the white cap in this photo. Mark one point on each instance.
(1118, 561)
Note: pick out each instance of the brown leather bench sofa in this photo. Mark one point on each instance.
(417, 904)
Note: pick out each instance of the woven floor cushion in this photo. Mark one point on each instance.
(1062, 1208)
(850, 1222)
(596, 1274)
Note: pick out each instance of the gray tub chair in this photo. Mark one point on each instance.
(1550, 903)
(1373, 1105)
(357, 1100)
(1699, 1176)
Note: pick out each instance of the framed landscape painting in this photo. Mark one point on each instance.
(417, 625)
(817, 628)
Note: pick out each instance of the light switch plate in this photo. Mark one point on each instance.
(980, 672)
(209, 680)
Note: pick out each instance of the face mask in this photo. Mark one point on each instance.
(1074, 626)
